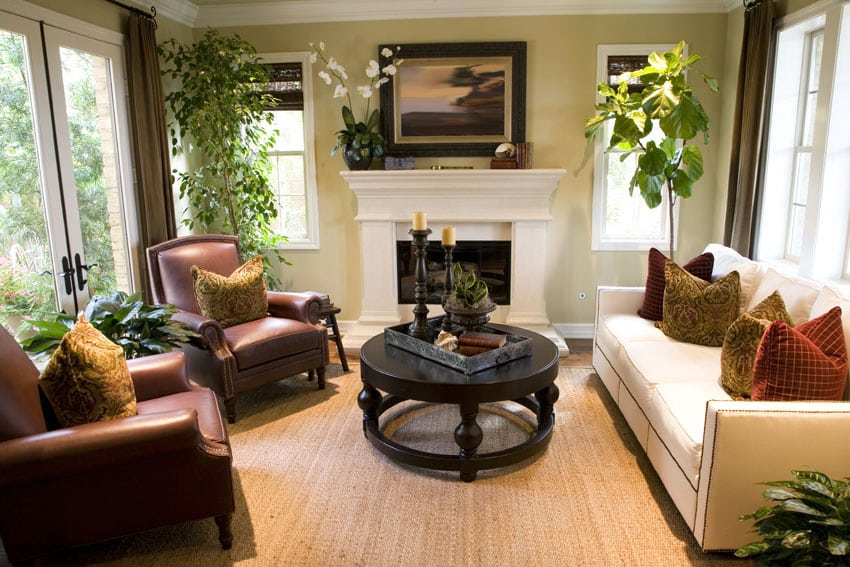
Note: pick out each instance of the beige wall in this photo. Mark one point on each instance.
(560, 90)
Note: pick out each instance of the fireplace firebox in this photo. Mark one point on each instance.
(489, 259)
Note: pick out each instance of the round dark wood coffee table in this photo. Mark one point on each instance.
(401, 375)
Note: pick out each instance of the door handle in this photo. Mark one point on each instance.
(81, 279)
(67, 275)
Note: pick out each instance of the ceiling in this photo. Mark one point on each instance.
(224, 13)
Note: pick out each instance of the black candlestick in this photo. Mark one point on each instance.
(448, 287)
(419, 328)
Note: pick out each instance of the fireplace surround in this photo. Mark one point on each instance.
(481, 204)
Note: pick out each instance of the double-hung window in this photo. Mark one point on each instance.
(292, 158)
(622, 221)
(804, 218)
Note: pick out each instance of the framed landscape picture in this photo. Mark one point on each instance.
(455, 99)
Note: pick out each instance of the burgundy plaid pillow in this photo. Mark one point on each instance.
(653, 297)
(806, 362)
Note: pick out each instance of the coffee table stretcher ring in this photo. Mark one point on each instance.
(405, 376)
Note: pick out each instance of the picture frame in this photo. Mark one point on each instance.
(454, 99)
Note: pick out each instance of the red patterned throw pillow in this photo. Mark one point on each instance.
(806, 362)
(653, 298)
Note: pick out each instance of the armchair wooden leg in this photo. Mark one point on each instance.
(310, 374)
(225, 535)
(230, 409)
(320, 372)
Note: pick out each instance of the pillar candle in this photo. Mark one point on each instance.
(420, 220)
(448, 236)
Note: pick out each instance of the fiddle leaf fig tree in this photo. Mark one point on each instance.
(219, 109)
(667, 161)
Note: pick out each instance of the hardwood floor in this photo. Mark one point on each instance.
(581, 353)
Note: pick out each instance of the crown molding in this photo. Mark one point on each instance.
(311, 11)
(182, 11)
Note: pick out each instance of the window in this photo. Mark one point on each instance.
(622, 221)
(804, 220)
(293, 162)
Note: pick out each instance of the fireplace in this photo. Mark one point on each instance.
(489, 259)
(483, 205)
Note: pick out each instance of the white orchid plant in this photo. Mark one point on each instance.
(362, 136)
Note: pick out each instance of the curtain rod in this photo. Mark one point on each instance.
(750, 4)
(151, 16)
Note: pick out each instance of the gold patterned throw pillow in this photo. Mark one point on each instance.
(87, 378)
(742, 342)
(233, 299)
(697, 311)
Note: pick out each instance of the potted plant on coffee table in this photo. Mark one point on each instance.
(469, 302)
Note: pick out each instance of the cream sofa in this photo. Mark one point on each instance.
(710, 451)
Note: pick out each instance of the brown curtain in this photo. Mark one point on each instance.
(153, 167)
(748, 127)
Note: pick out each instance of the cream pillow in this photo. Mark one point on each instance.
(798, 293)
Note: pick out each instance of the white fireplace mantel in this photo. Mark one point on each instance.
(516, 198)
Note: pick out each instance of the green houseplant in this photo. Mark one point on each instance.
(469, 303)
(220, 110)
(138, 328)
(809, 524)
(360, 140)
(667, 101)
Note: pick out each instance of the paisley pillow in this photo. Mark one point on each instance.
(742, 342)
(233, 299)
(653, 296)
(87, 378)
(697, 311)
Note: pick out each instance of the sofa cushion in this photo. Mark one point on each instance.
(742, 342)
(87, 378)
(798, 293)
(233, 299)
(263, 340)
(697, 311)
(644, 365)
(829, 297)
(677, 414)
(653, 297)
(808, 362)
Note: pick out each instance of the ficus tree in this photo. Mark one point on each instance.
(220, 110)
(667, 102)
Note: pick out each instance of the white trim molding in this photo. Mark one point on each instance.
(311, 11)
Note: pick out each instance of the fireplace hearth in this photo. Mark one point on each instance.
(489, 259)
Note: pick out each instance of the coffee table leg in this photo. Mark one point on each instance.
(369, 399)
(468, 436)
(546, 398)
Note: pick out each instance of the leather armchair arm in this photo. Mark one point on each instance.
(159, 375)
(81, 448)
(212, 334)
(301, 306)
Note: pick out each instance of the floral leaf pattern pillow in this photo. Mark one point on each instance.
(87, 378)
(741, 344)
(697, 311)
(237, 298)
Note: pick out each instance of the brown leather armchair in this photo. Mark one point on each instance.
(242, 357)
(65, 487)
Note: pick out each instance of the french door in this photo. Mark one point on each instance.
(67, 228)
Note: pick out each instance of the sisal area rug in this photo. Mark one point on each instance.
(311, 491)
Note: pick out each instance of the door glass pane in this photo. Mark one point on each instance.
(89, 103)
(26, 287)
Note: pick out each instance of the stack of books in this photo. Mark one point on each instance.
(473, 342)
(524, 154)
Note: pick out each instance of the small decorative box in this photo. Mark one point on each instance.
(392, 162)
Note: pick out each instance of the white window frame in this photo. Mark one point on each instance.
(311, 242)
(599, 240)
(824, 249)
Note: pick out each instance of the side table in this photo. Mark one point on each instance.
(328, 313)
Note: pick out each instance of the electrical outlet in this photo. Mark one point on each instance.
(582, 295)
